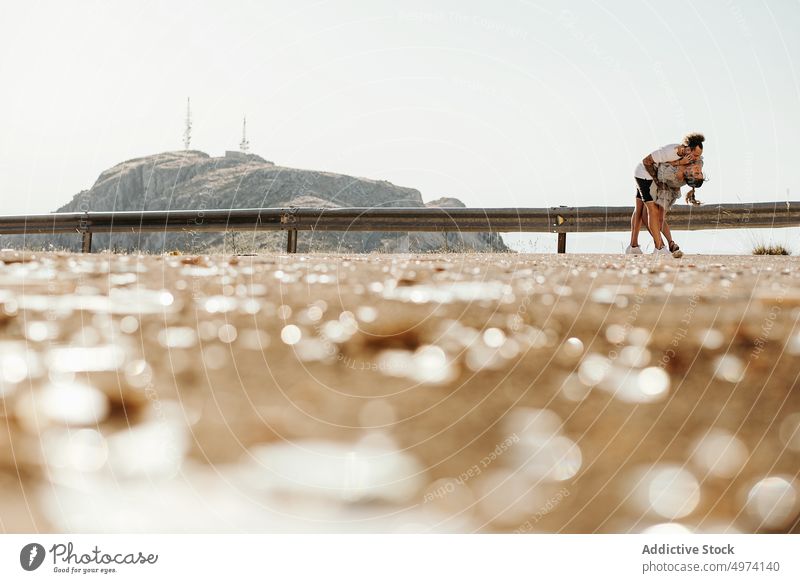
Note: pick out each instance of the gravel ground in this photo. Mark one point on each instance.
(364, 393)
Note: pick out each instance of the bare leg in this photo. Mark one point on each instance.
(664, 226)
(646, 219)
(655, 216)
(637, 220)
(665, 229)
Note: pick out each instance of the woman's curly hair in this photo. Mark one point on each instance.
(691, 199)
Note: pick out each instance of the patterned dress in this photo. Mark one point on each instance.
(670, 189)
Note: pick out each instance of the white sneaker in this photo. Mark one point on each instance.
(663, 251)
(633, 250)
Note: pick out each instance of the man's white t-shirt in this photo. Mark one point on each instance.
(668, 153)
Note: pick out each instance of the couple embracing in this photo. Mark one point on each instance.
(659, 178)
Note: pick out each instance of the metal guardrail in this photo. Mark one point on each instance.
(560, 220)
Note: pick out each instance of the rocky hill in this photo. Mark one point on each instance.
(195, 180)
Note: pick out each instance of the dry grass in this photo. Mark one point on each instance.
(770, 249)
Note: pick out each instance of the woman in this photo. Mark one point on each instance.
(678, 156)
(670, 176)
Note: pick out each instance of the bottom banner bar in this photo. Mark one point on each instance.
(355, 558)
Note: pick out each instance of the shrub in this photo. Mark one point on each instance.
(770, 249)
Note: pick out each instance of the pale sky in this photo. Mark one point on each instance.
(507, 103)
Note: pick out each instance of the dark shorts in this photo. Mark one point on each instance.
(643, 190)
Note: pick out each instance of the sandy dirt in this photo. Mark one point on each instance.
(385, 393)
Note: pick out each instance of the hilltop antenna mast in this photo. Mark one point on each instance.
(244, 145)
(187, 132)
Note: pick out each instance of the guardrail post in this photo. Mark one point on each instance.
(86, 242)
(562, 242)
(291, 241)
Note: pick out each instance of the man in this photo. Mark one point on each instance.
(648, 186)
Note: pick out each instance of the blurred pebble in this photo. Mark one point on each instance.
(291, 334)
(215, 357)
(177, 337)
(429, 364)
(507, 498)
(129, 324)
(494, 337)
(573, 389)
(634, 356)
(593, 369)
(729, 368)
(40, 331)
(16, 366)
(554, 458)
(227, 333)
(615, 334)
(68, 403)
(84, 450)
(533, 424)
(219, 304)
(793, 345)
(313, 350)
(772, 502)
(327, 469)
(154, 449)
(639, 337)
(719, 453)
(790, 431)
(711, 339)
(85, 359)
(367, 314)
(666, 490)
(653, 383)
